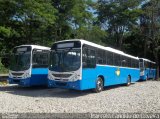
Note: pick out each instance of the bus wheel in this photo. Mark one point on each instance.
(99, 85)
(146, 78)
(128, 81)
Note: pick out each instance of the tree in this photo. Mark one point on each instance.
(94, 34)
(71, 15)
(117, 17)
(150, 28)
(22, 22)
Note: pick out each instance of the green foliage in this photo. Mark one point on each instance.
(94, 34)
(21, 21)
(130, 25)
(150, 26)
(3, 70)
(118, 17)
(71, 14)
(5, 31)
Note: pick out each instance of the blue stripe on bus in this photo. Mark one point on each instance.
(38, 77)
(89, 76)
(21, 82)
(150, 73)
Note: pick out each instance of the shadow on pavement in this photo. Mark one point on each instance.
(49, 92)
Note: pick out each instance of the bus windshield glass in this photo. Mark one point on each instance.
(21, 58)
(65, 60)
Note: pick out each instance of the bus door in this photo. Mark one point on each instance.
(89, 67)
(141, 66)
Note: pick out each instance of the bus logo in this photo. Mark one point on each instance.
(117, 71)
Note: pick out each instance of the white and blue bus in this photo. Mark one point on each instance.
(29, 65)
(79, 64)
(147, 69)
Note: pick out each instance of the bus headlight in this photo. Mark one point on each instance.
(10, 75)
(26, 75)
(75, 77)
(50, 75)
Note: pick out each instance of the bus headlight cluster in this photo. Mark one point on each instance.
(26, 75)
(75, 77)
(50, 75)
(10, 75)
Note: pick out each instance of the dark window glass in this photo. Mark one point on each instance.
(128, 62)
(65, 60)
(109, 58)
(101, 57)
(117, 60)
(89, 57)
(123, 61)
(135, 63)
(20, 59)
(40, 59)
(146, 64)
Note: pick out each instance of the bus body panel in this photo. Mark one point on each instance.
(151, 73)
(147, 69)
(89, 76)
(67, 85)
(148, 73)
(39, 76)
(22, 82)
(110, 77)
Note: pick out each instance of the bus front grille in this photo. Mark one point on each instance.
(62, 75)
(17, 74)
(57, 79)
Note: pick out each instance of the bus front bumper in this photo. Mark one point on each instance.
(21, 82)
(68, 85)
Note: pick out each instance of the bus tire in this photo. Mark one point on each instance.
(99, 85)
(147, 78)
(128, 81)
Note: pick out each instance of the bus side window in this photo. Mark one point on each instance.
(109, 58)
(117, 60)
(89, 58)
(137, 63)
(40, 59)
(101, 57)
(128, 62)
(123, 61)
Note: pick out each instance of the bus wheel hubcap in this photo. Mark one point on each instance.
(99, 85)
(129, 81)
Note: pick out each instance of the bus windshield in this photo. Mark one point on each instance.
(65, 60)
(21, 59)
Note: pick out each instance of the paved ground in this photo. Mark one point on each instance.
(141, 97)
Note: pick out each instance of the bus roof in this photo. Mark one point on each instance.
(36, 46)
(147, 60)
(101, 47)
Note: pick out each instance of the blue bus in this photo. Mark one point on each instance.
(79, 64)
(29, 65)
(147, 69)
